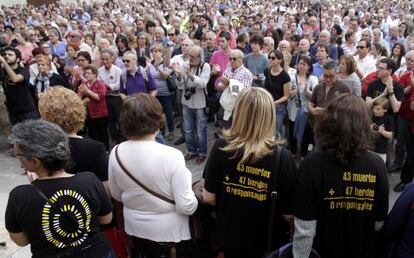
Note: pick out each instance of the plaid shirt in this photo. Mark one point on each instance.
(242, 74)
(97, 109)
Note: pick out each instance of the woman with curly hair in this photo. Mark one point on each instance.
(341, 198)
(66, 109)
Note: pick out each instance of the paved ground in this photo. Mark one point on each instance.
(11, 176)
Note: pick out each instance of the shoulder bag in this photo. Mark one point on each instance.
(194, 222)
(126, 171)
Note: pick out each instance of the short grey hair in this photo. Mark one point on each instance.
(44, 141)
(114, 50)
(109, 51)
(199, 50)
(330, 65)
(238, 53)
(132, 54)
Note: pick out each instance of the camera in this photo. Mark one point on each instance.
(188, 92)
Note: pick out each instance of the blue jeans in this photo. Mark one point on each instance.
(167, 103)
(109, 255)
(403, 132)
(195, 123)
(159, 138)
(280, 116)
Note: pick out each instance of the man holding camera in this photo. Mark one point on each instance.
(15, 79)
(192, 79)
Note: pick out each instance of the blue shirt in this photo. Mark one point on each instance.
(59, 49)
(317, 70)
(333, 51)
(399, 225)
(136, 83)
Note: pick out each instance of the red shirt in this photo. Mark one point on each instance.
(97, 109)
(412, 124)
(405, 112)
(370, 78)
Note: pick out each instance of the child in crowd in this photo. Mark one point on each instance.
(382, 125)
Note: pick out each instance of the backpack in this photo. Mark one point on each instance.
(144, 75)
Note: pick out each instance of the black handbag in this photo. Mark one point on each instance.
(171, 82)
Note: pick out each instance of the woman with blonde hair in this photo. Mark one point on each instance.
(245, 166)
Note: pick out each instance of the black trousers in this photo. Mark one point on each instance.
(114, 104)
(144, 248)
(97, 130)
(407, 171)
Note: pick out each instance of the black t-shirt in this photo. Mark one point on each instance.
(19, 97)
(376, 88)
(274, 84)
(345, 199)
(381, 142)
(88, 155)
(53, 233)
(242, 197)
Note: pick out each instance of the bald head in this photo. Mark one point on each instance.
(409, 57)
(186, 45)
(303, 46)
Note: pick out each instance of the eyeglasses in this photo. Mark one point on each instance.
(359, 47)
(329, 76)
(272, 57)
(233, 58)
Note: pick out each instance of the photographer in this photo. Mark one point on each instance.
(15, 78)
(193, 80)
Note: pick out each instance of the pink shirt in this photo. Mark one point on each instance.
(26, 51)
(220, 58)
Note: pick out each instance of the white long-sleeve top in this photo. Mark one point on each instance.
(162, 169)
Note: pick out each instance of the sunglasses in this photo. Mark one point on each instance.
(359, 47)
(172, 34)
(126, 61)
(272, 58)
(233, 58)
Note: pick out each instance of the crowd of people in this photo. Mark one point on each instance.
(102, 87)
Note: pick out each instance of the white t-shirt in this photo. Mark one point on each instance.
(162, 169)
(366, 65)
(111, 77)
